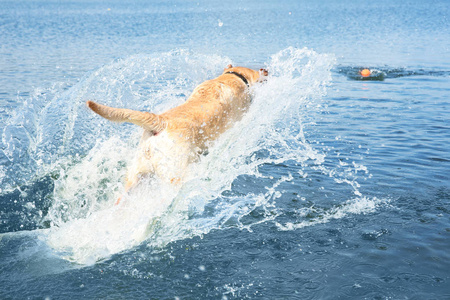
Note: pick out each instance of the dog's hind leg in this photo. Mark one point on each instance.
(128, 186)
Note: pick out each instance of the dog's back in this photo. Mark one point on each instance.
(174, 138)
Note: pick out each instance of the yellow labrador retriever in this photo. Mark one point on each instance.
(175, 138)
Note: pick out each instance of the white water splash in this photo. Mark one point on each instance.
(114, 229)
(358, 206)
(92, 154)
(91, 231)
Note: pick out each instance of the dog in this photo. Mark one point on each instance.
(174, 139)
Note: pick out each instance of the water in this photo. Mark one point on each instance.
(331, 186)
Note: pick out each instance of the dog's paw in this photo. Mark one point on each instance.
(175, 180)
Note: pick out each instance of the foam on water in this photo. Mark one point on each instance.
(362, 205)
(89, 155)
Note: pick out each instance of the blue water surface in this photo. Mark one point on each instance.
(333, 186)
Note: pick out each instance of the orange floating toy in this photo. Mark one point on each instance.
(365, 73)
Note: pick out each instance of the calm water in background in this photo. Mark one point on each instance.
(330, 188)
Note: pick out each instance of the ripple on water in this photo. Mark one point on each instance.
(361, 290)
(225, 268)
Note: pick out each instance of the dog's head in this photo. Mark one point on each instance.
(251, 75)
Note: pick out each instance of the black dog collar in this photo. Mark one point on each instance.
(240, 76)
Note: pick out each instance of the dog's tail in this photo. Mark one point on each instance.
(146, 120)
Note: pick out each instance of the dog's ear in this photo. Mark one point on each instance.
(228, 67)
